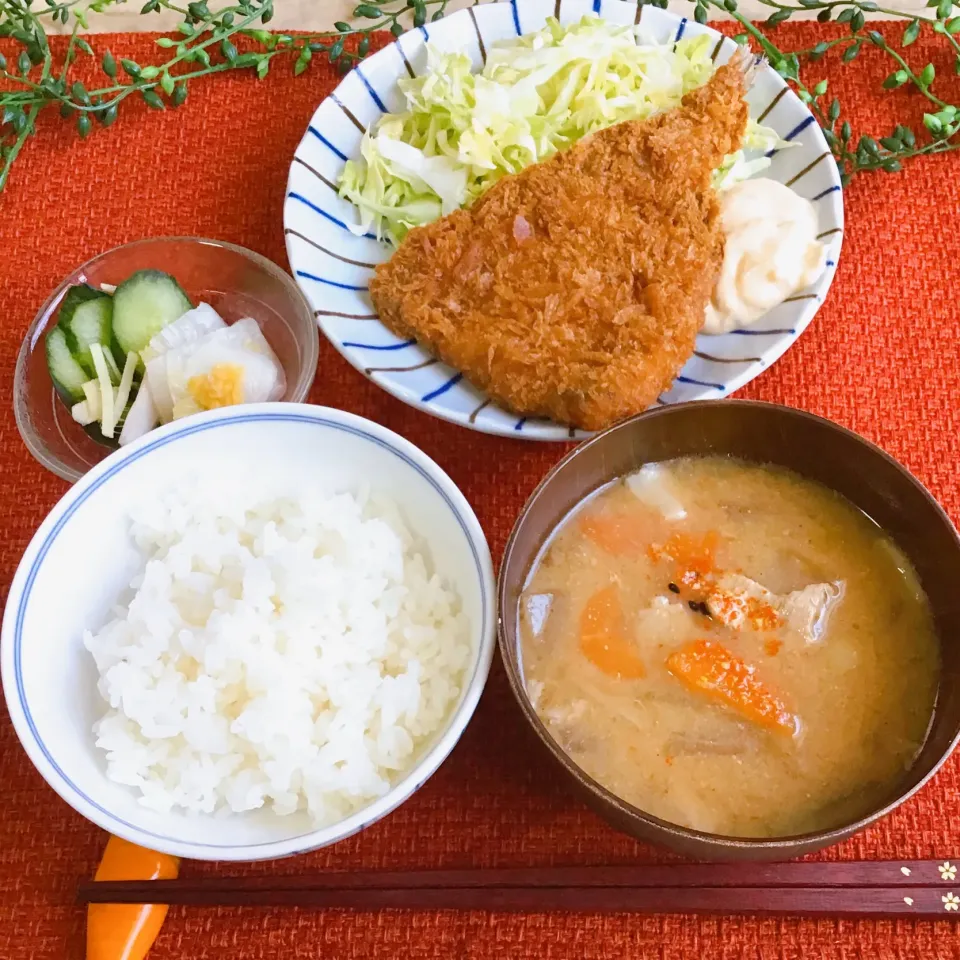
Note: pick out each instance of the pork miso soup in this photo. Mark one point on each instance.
(731, 648)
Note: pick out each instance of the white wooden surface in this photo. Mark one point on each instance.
(321, 14)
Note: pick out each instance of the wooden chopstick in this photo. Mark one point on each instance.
(764, 901)
(865, 888)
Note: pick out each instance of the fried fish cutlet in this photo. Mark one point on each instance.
(574, 290)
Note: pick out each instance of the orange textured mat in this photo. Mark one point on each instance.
(882, 357)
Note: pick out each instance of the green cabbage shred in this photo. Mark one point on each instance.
(536, 95)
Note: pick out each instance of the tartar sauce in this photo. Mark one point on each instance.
(771, 252)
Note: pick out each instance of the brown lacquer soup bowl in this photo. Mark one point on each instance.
(766, 434)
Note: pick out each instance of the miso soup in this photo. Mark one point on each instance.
(731, 648)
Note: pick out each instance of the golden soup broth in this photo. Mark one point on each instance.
(680, 661)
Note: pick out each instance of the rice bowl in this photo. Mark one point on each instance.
(77, 574)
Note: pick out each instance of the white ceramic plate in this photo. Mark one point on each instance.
(82, 558)
(333, 266)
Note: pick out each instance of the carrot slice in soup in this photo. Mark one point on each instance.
(603, 638)
(694, 558)
(706, 666)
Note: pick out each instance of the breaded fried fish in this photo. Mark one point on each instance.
(575, 289)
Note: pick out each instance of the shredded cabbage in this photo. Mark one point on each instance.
(537, 94)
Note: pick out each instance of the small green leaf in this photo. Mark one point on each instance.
(131, 68)
(858, 21)
(83, 46)
(905, 135)
(150, 73)
(227, 20)
(891, 143)
(342, 27)
(927, 75)
(953, 25)
(198, 10)
(344, 66)
(844, 179)
(166, 42)
(419, 13)
(108, 117)
(869, 145)
(167, 84)
(911, 33)
(777, 17)
(809, 3)
(24, 64)
(202, 57)
(306, 54)
(820, 89)
(151, 6)
(944, 9)
(868, 5)
(3, 62)
(83, 125)
(396, 29)
(179, 95)
(819, 50)
(367, 10)
(152, 99)
(741, 39)
(66, 110)
(267, 14)
(845, 132)
(248, 60)
(932, 123)
(364, 48)
(876, 38)
(892, 166)
(804, 96)
(846, 15)
(833, 112)
(79, 93)
(700, 13)
(851, 52)
(830, 137)
(824, 15)
(185, 28)
(893, 81)
(228, 50)
(263, 67)
(299, 67)
(336, 50)
(109, 65)
(730, 5)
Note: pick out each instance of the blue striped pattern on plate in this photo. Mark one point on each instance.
(333, 265)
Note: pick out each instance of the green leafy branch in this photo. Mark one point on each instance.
(855, 155)
(236, 37)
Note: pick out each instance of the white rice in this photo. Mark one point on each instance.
(293, 654)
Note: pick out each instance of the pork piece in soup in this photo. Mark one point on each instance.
(731, 648)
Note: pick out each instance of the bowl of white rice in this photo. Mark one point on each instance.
(251, 633)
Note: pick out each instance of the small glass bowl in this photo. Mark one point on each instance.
(236, 282)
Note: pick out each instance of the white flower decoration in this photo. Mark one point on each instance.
(951, 902)
(947, 871)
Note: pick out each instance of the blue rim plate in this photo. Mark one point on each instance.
(333, 266)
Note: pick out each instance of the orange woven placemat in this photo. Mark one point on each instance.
(882, 357)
